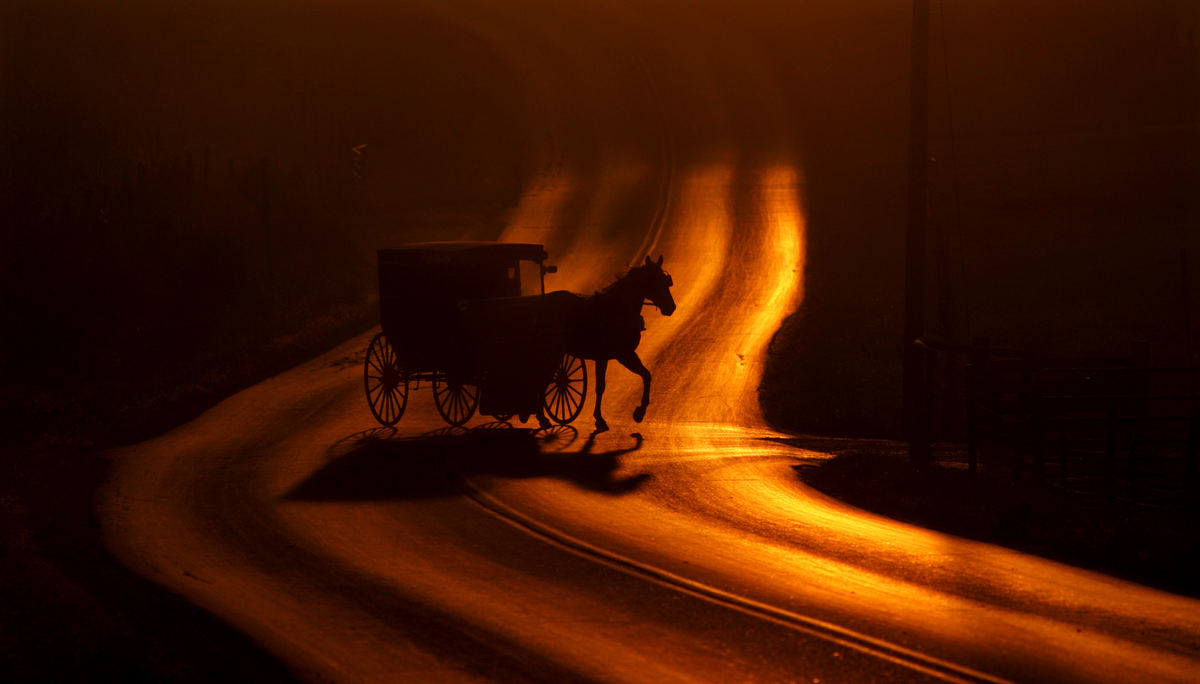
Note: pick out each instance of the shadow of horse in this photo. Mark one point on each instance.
(434, 465)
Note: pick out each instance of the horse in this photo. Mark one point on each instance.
(609, 324)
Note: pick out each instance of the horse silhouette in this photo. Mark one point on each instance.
(609, 324)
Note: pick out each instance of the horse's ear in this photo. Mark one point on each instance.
(647, 259)
(659, 260)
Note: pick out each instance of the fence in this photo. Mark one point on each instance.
(1111, 425)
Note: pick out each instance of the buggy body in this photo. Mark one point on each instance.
(472, 320)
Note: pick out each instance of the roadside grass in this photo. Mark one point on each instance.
(1155, 544)
(73, 613)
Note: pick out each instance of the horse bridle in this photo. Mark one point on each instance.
(647, 302)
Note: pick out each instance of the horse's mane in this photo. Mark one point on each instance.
(620, 280)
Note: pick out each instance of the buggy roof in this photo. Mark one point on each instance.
(472, 250)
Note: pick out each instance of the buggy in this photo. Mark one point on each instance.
(472, 321)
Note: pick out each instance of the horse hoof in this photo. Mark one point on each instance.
(639, 413)
(601, 426)
(544, 422)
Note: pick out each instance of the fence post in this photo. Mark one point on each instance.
(930, 367)
(1138, 389)
(1110, 452)
(919, 403)
(976, 374)
(1031, 399)
(1193, 448)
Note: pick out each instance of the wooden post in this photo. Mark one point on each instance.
(1030, 406)
(1193, 449)
(915, 392)
(925, 424)
(975, 392)
(1137, 409)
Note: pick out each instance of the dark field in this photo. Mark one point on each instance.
(188, 204)
(1063, 187)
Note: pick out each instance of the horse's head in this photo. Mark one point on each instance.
(656, 285)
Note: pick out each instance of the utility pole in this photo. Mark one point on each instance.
(916, 419)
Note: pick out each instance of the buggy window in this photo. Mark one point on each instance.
(531, 278)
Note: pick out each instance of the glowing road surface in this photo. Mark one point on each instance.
(688, 551)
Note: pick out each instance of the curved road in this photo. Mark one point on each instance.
(683, 548)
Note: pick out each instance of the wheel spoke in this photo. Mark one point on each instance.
(384, 382)
(565, 395)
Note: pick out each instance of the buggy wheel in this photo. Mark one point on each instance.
(454, 400)
(567, 390)
(385, 382)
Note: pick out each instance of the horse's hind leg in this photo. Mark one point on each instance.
(634, 364)
(601, 366)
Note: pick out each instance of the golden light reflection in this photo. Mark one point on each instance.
(780, 283)
(785, 253)
(737, 284)
(587, 256)
(700, 231)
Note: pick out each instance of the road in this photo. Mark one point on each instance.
(684, 548)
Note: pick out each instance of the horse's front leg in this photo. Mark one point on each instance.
(601, 366)
(634, 364)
